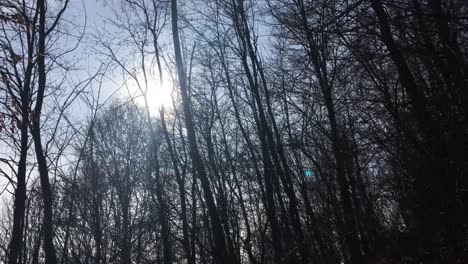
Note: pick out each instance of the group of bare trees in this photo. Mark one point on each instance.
(370, 96)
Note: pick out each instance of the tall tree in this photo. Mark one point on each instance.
(220, 251)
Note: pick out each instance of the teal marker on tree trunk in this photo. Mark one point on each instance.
(308, 173)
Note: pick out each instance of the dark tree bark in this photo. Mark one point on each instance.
(181, 185)
(219, 251)
(16, 243)
(47, 194)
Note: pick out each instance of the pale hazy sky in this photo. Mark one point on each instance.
(90, 15)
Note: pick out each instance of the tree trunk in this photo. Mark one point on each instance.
(351, 236)
(16, 243)
(48, 235)
(181, 186)
(220, 252)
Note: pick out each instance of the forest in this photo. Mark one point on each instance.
(233, 131)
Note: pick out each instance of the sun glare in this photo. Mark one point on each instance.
(157, 95)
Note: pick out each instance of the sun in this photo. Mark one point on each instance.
(157, 94)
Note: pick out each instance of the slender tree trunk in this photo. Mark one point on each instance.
(163, 210)
(50, 254)
(351, 236)
(36, 247)
(181, 186)
(276, 148)
(238, 190)
(125, 250)
(96, 199)
(220, 251)
(270, 175)
(163, 207)
(16, 243)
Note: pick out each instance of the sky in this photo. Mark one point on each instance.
(88, 19)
